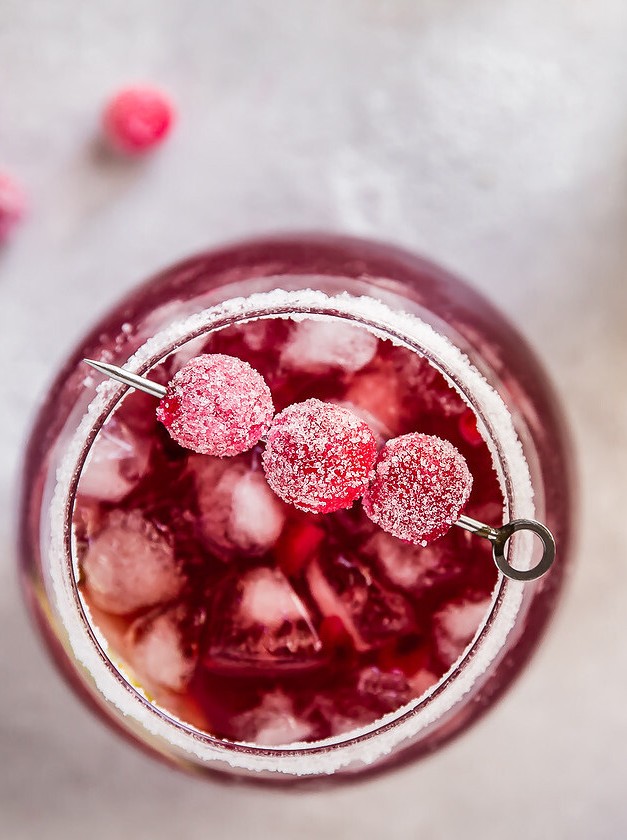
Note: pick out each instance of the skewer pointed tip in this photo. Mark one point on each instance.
(128, 378)
(100, 366)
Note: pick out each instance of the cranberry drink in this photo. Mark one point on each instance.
(276, 589)
(255, 620)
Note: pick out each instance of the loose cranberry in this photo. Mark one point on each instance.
(12, 206)
(136, 119)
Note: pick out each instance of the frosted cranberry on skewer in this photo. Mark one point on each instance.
(319, 456)
(215, 405)
(345, 456)
(420, 486)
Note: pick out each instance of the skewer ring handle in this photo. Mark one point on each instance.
(499, 541)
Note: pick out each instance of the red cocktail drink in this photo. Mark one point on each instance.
(229, 630)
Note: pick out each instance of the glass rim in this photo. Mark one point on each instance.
(325, 756)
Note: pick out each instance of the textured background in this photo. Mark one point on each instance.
(490, 135)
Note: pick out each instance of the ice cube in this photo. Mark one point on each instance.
(316, 346)
(376, 426)
(382, 691)
(413, 567)
(260, 335)
(268, 599)
(455, 625)
(257, 515)
(369, 695)
(87, 519)
(163, 647)
(375, 393)
(423, 387)
(257, 334)
(327, 710)
(258, 621)
(130, 565)
(272, 723)
(421, 682)
(346, 588)
(237, 510)
(186, 352)
(399, 389)
(116, 462)
(215, 480)
(184, 706)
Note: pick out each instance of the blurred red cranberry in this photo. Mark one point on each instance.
(136, 119)
(12, 205)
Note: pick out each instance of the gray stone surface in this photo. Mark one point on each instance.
(490, 135)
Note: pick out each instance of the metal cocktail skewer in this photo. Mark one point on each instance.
(128, 378)
(497, 536)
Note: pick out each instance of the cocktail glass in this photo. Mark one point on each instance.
(397, 297)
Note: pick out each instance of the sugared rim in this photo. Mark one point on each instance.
(364, 745)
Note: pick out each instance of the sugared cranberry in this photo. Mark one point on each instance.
(319, 456)
(216, 405)
(12, 205)
(420, 486)
(137, 118)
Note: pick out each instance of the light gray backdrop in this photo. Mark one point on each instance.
(490, 135)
